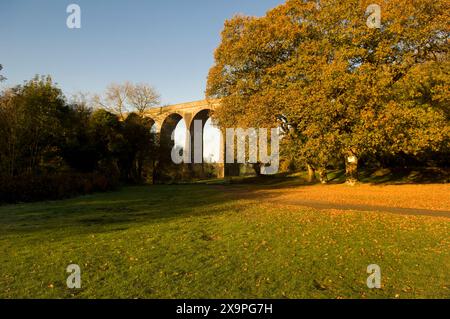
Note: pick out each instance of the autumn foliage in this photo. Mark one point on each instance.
(336, 87)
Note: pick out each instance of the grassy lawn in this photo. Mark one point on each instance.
(196, 241)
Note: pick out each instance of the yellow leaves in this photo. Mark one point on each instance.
(320, 67)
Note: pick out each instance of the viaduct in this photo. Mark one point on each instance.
(166, 119)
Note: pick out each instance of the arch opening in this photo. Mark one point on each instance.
(211, 142)
(168, 127)
(205, 149)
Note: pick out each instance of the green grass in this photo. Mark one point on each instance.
(195, 241)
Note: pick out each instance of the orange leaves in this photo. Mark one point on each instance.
(337, 83)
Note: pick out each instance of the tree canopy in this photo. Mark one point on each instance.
(338, 87)
(2, 78)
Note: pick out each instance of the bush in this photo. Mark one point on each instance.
(29, 188)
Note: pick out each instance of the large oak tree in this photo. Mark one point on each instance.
(338, 87)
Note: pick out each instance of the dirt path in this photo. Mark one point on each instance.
(387, 209)
(426, 200)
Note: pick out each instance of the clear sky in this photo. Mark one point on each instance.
(167, 43)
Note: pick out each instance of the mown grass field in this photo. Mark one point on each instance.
(198, 241)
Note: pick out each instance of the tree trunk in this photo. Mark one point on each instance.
(323, 175)
(139, 167)
(154, 173)
(311, 174)
(351, 169)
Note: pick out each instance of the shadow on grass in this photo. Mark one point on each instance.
(114, 210)
(378, 176)
(402, 176)
(149, 204)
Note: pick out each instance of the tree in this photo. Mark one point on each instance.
(338, 84)
(9, 127)
(79, 148)
(32, 116)
(2, 78)
(115, 99)
(143, 97)
(136, 152)
(123, 98)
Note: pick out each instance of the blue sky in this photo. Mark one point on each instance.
(169, 44)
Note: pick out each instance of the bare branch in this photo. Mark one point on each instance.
(143, 97)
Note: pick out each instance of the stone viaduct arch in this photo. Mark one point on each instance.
(166, 119)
